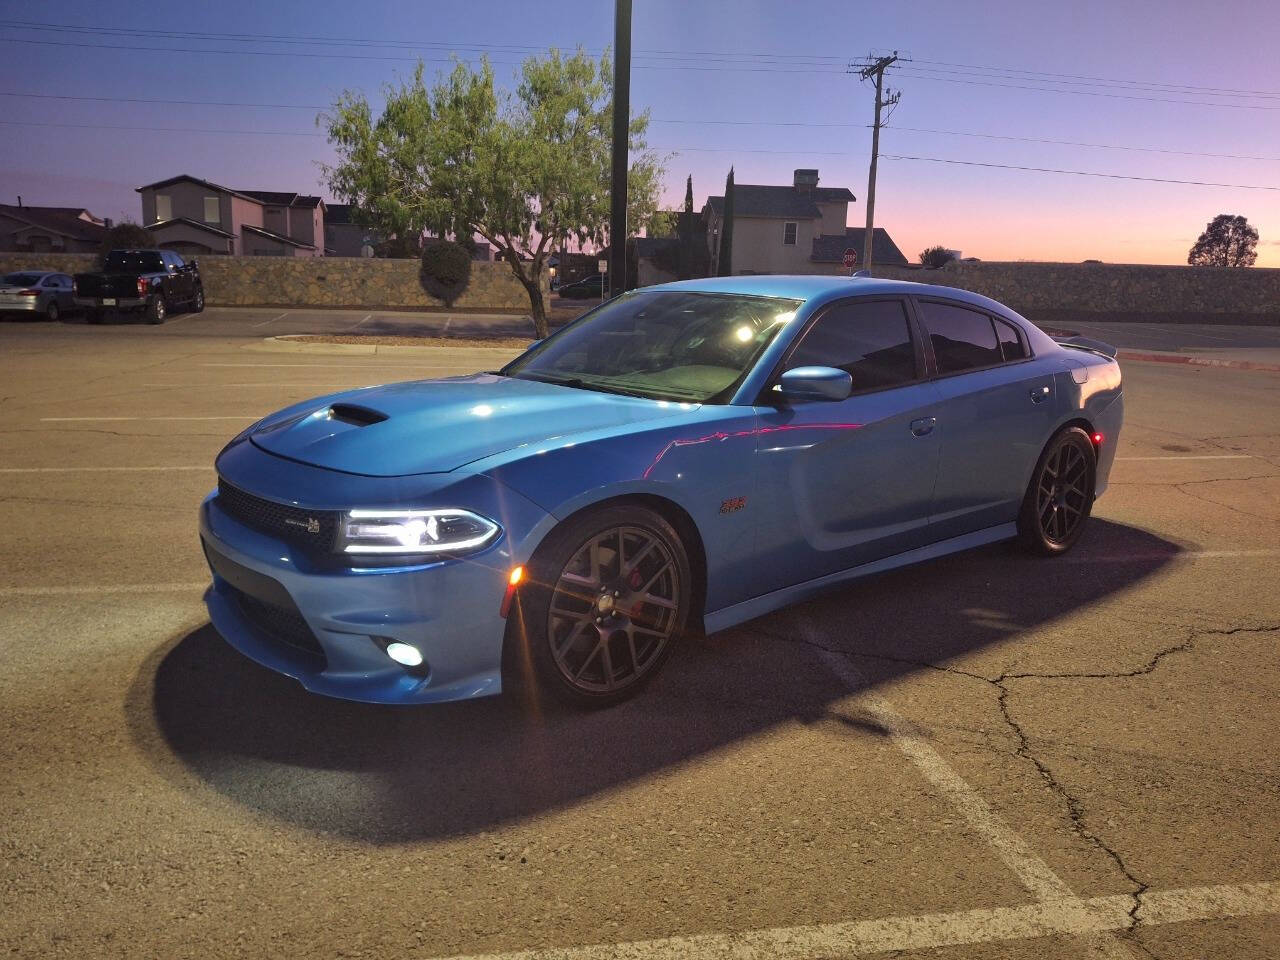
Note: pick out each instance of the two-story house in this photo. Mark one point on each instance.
(790, 229)
(194, 216)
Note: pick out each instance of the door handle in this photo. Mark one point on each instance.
(923, 426)
(1040, 394)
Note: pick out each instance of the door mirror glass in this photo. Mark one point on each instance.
(816, 383)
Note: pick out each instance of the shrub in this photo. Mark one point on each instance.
(446, 270)
(936, 257)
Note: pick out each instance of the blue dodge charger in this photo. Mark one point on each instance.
(681, 458)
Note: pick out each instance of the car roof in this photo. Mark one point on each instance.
(818, 289)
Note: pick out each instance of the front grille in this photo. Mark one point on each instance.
(285, 624)
(313, 529)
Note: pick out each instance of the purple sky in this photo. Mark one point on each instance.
(700, 66)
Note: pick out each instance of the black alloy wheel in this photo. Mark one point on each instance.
(607, 599)
(1060, 496)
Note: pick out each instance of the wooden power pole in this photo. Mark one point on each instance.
(876, 69)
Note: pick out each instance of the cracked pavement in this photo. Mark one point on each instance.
(1115, 710)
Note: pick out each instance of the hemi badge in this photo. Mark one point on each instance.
(732, 504)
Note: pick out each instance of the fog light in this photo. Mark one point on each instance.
(405, 653)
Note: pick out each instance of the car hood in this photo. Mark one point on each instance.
(434, 426)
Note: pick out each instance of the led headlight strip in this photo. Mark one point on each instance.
(414, 532)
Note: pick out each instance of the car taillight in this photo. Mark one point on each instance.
(28, 293)
(142, 286)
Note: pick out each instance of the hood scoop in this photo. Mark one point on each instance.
(355, 415)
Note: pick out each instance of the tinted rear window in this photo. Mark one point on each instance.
(962, 339)
(1011, 343)
(142, 262)
(21, 279)
(870, 340)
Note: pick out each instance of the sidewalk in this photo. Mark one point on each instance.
(1235, 358)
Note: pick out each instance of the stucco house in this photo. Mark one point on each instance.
(195, 216)
(789, 229)
(50, 229)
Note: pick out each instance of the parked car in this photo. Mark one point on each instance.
(146, 282)
(36, 293)
(586, 288)
(689, 455)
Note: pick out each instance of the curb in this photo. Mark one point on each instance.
(281, 345)
(1198, 361)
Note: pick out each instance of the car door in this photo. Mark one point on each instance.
(175, 281)
(846, 482)
(999, 406)
(66, 299)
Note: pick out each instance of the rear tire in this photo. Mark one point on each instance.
(156, 310)
(1060, 496)
(605, 599)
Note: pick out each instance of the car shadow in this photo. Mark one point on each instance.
(383, 774)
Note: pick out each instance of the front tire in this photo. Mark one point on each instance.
(197, 302)
(1060, 496)
(156, 310)
(607, 597)
(53, 312)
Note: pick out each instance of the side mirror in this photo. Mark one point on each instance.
(816, 383)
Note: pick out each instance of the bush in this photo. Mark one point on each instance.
(446, 270)
(127, 235)
(936, 257)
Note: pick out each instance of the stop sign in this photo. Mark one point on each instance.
(850, 257)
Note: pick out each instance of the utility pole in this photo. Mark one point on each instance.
(875, 68)
(617, 276)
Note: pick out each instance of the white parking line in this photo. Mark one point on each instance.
(1032, 872)
(366, 317)
(1069, 916)
(1197, 456)
(263, 383)
(208, 466)
(372, 366)
(73, 591)
(272, 320)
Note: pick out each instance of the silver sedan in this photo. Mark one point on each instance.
(40, 292)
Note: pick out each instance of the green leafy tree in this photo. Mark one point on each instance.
(936, 257)
(725, 265)
(1228, 241)
(126, 235)
(527, 170)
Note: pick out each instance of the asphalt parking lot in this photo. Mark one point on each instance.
(986, 756)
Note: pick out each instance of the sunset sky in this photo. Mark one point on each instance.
(1142, 89)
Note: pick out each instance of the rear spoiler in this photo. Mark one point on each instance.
(1093, 346)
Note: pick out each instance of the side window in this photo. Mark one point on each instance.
(789, 234)
(869, 339)
(962, 339)
(50, 281)
(1012, 346)
(176, 259)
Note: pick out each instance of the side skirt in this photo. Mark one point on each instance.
(766, 603)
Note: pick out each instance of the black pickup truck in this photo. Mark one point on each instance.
(150, 282)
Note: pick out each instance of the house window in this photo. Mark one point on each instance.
(164, 207)
(789, 234)
(212, 211)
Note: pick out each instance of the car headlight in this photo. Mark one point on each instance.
(414, 532)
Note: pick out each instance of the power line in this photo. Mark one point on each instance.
(385, 57)
(190, 103)
(119, 126)
(1116, 80)
(1081, 143)
(1085, 93)
(1082, 173)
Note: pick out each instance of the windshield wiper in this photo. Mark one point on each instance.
(578, 383)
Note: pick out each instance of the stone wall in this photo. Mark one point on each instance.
(321, 282)
(1041, 291)
(1128, 291)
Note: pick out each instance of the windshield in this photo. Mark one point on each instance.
(21, 279)
(666, 345)
(122, 261)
